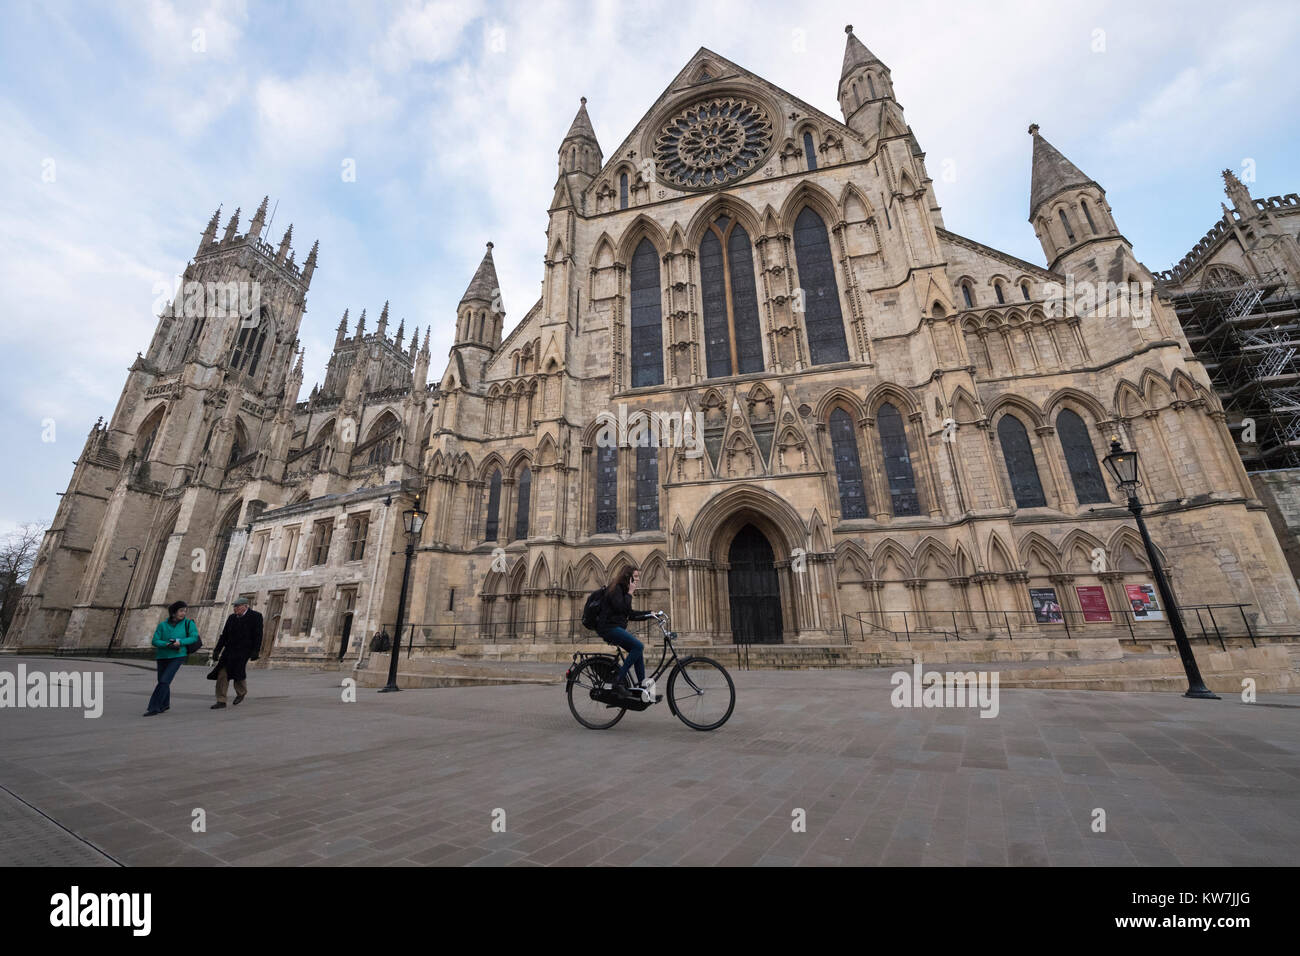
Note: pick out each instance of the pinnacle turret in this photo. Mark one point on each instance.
(484, 287)
(579, 150)
(1052, 173)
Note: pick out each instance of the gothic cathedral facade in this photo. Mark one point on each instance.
(761, 370)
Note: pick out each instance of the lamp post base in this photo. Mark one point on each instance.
(1204, 693)
(393, 687)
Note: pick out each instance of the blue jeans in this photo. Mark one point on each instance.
(621, 637)
(162, 694)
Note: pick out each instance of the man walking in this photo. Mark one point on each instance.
(240, 642)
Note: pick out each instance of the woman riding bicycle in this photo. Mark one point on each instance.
(611, 624)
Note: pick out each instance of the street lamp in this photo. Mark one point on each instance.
(1123, 468)
(413, 521)
(118, 623)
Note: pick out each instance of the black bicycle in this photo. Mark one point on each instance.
(700, 691)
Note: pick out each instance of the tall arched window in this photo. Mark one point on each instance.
(1069, 233)
(1024, 291)
(966, 295)
(1081, 459)
(149, 432)
(733, 343)
(822, 317)
(494, 507)
(1088, 216)
(809, 152)
(1021, 467)
(647, 317)
(871, 85)
(248, 346)
(606, 489)
(523, 494)
(220, 548)
(997, 290)
(898, 462)
(622, 191)
(848, 466)
(647, 488)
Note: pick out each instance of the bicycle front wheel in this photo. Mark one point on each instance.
(587, 676)
(701, 693)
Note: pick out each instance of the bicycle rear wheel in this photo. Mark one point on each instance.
(701, 693)
(586, 678)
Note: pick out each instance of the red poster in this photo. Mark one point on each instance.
(1093, 601)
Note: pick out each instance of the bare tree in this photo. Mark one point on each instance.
(17, 555)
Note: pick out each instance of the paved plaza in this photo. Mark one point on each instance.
(295, 776)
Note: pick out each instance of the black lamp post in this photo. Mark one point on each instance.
(1122, 466)
(121, 610)
(413, 521)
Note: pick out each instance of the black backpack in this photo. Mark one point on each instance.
(591, 610)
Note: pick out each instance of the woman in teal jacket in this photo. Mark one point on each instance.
(172, 640)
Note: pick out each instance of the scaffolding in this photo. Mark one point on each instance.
(1247, 335)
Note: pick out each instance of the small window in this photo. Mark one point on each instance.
(967, 297)
(359, 526)
(997, 289)
(1069, 233)
(1088, 216)
(307, 610)
(290, 547)
(322, 532)
(1024, 291)
(871, 85)
(809, 152)
(451, 600)
(622, 191)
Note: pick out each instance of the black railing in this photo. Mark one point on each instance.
(1215, 622)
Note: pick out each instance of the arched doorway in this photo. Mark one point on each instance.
(347, 633)
(754, 589)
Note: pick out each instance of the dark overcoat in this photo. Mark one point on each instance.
(240, 642)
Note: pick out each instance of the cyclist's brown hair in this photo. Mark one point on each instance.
(622, 577)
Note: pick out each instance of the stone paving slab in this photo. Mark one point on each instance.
(296, 776)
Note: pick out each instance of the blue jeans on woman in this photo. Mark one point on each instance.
(622, 637)
(162, 694)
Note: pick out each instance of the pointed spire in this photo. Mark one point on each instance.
(259, 218)
(361, 324)
(484, 287)
(425, 347)
(309, 266)
(284, 243)
(231, 226)
(401, 333)
(298, 368)
(1236, 191)
(581, 127)
(1052, 173)
(343, 322)
(383, 320)
(579, 150)
(210, 233)
(415, 340)
(856, 54)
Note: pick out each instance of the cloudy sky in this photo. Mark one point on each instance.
(125, 125)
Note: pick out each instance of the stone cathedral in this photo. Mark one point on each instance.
(872, 424)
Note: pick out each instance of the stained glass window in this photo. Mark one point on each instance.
(898, 463)
(524, 495)
(1021, 468)
(647, 317)
(493, 508)
(1081, 458)
(606, 489)
(848, 467)
(647, 488)
(730, 301)
(809, 152)
(822, 317)
(622, 191)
